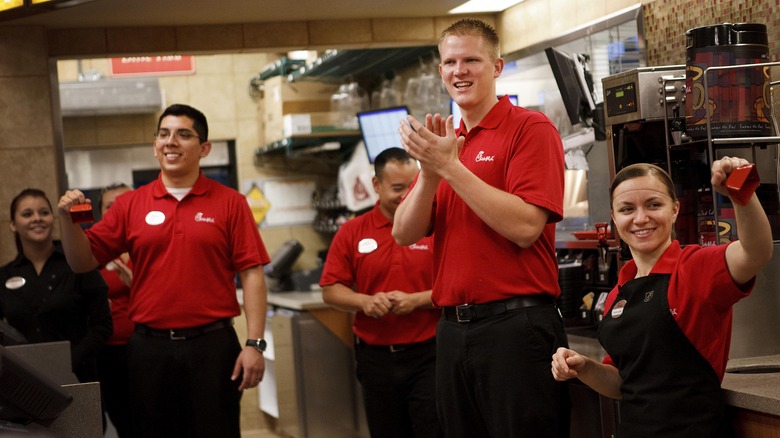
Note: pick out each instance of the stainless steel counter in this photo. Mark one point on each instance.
(297, 300)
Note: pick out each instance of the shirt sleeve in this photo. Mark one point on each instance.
(339, 262)
(107, 236)
(248, 247)
(706, 277)
(535, 172)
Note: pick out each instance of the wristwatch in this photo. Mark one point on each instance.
(258, 344)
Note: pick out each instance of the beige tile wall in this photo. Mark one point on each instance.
(27, 152)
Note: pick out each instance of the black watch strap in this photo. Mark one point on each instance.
(258, 344)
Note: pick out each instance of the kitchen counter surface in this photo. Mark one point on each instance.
(754, 384)
(750, 383)
(298, 300)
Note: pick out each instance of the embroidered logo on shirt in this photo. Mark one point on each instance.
(482, 157)
(155, 217)
(200, 218)
(419, 247)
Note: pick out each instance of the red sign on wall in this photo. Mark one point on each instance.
(152, 65)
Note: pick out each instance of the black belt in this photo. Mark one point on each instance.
(395, 348)
(475, 312)
(182, 334)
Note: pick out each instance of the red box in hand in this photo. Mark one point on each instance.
(81, 213)
(742, 183)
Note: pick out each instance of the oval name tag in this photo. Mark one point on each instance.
(366, 246)
(617, 311)
(14, 283)
(155, 217)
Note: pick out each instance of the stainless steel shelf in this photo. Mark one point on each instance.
(745, 141)
(310, 147)
(336, 65)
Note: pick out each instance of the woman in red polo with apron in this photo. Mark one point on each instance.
(667, 327)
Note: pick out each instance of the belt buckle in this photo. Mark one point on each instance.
(462, 313)
(396, 348)
(172, 333)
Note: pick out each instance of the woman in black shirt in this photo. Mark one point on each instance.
(42, 297)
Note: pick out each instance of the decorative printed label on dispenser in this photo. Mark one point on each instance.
(737, 99)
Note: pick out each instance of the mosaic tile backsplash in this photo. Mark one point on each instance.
(666, 22)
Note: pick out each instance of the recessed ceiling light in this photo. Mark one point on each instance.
(473, 6)
(10, 4)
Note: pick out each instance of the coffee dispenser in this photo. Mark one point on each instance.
(645, 118)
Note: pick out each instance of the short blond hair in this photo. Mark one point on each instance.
(473, 26)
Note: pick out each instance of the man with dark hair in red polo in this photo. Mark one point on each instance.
(188, 237)
(389, 288)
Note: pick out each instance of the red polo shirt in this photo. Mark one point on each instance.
(363, 256)
(518, 151)
(185, 253)
(701, 297)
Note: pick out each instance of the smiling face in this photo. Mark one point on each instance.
(178, 149)
(469, 70)
(644, 213)
(33, 220)
(393, 184)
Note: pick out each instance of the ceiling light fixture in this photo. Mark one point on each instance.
(10, 4)
(475, 6)
(13, 9)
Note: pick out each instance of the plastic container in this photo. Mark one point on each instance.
(738, 98)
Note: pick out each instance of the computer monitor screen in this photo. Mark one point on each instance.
(27, 395)
(380, 129)
(570, 75)
(455, 109)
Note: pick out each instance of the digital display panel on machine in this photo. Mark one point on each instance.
(621, 99)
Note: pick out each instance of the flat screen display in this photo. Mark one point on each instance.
(380, 129)
(455, 109)
(575, 91)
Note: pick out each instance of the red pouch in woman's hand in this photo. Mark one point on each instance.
(742, 183)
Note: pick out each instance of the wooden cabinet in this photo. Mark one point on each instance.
(751, 424)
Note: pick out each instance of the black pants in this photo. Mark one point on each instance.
(493, 376)
(115, 386)
(399, 390)
(182, 388)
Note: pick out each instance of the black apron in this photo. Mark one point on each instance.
(669, 389)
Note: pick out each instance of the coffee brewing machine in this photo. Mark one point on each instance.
(645, 123)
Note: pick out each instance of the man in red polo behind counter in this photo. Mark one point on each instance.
(389, 288)
(491, 193)
(188, 237)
